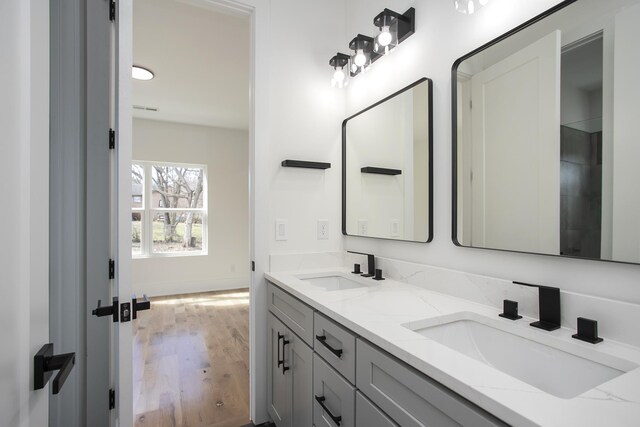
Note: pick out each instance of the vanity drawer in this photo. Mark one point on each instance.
(335, 394)
(412, 398)
(294, 313)
(368, 415)
(336, 345)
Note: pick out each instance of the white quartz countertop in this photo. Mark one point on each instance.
(377, 313)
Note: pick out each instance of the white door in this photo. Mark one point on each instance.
(516, 150)
(24, 258)
(121, 209)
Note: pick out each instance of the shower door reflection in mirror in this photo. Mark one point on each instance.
(547, 139)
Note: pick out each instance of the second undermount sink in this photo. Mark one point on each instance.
(544, 366)
(333, 282)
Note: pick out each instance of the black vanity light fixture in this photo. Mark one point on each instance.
(363, 55)
(393, 29)
(339, 78)
(468, 7)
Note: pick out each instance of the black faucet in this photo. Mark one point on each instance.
(549, 307)
(371, 263)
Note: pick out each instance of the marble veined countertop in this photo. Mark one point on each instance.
(378, 311)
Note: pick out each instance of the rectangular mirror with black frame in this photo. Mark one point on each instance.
(546, 136)
(387, 177)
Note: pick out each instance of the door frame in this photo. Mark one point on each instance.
(259, 132)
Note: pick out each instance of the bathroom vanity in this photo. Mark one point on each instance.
(349, 351)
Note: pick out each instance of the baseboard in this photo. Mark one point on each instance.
(173, 288)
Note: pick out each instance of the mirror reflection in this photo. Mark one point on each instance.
(546, 140)
(386, 167)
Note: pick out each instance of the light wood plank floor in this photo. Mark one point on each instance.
(191, 361)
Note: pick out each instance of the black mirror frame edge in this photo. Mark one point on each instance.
(430, 150)
(454, 137)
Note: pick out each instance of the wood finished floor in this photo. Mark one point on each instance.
(191, 361)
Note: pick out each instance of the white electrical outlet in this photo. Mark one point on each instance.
(281, 229)
(323, 229)
(395, 228)
(363, 227)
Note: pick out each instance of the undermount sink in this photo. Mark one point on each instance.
(333, 282)
(546, 367)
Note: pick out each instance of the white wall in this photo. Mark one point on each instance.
(24, 149)
(442, 36)
(225, 153)
(305, 116)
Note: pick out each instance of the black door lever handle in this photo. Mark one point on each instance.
(108, 310)
(145, 304)
(45, 362)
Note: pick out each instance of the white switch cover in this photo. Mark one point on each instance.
(323, 229)
(281, 229)
(395, 228)
(363, 227)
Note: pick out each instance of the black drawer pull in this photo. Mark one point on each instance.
(285, 368)
(323, 341)
(280, 362)
(335, 419)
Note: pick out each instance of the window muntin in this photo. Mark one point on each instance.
(173, 217)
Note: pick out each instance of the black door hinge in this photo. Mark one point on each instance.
(253, 266)
(112, 10)
(112, 269)
(112, 399)
(112, 139)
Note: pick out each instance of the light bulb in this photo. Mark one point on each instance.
(360, 59)
(471, 7)
(339, 76)
(384, 38)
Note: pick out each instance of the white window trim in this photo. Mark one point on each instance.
(147, 211)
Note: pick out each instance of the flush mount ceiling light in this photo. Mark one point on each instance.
(469, 6)
(141, 73)
(394, 29)
(339, 78)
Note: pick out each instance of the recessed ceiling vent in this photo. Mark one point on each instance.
(145, 108)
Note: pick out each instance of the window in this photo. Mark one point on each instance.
(168, 211)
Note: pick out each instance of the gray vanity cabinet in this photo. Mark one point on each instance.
(289, 377)
(322, 375)
(411, 398)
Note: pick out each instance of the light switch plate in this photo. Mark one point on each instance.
(323, 229)
(363, 227)
(281, 229)
(395, 228)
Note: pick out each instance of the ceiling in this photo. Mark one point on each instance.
(200, 58)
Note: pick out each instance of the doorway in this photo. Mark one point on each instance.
(190, 213)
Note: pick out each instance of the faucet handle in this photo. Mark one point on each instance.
(356, 269)
(587, 331)
(378, 275)
(510, 310)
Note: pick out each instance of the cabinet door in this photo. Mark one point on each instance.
(299, 360)
(334, 397)
(367, 414)
(278, 385)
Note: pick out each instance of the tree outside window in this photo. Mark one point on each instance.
(168, 210)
